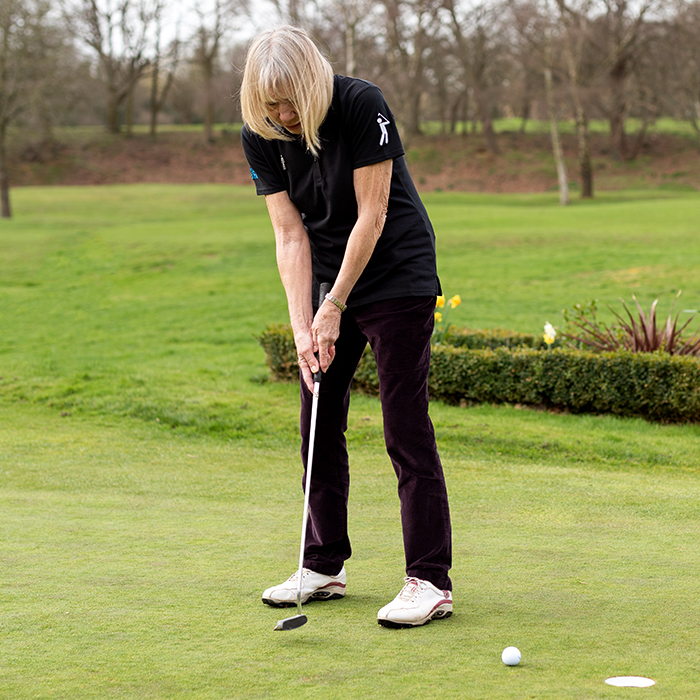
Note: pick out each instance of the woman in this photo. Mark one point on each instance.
(325, 152)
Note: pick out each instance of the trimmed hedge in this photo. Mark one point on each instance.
(656, 386)
(490, 339)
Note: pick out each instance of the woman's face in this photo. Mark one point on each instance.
(282, 111)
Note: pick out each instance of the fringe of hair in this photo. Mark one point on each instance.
(284, 64)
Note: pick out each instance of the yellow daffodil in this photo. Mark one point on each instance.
(550, 333)
(442, 327)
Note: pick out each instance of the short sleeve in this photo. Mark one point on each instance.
(370, 126)
(264, 163)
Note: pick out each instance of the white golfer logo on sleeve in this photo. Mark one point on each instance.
(383, 121)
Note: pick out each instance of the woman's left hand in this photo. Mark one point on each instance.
(325, 331)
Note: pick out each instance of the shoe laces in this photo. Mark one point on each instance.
(304, 573)
(412, 588)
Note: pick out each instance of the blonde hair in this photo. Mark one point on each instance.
(285, 63)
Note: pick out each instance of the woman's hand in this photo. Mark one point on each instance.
(325, 331)
(306, 357)
(316, 347)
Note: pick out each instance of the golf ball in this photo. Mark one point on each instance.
(511, 656)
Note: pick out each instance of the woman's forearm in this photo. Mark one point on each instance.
(293, 259)
(294, 264)
(372, 185)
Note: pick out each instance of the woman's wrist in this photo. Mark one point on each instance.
(336, 302)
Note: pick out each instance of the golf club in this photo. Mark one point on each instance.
(300, 619)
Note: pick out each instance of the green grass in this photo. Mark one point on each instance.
(664, 125)
(149, 489)
(517, 261)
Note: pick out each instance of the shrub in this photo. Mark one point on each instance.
(479, 339)
(656, 386)
(641, 334)
(280, 352)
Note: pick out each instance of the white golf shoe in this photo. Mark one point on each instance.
(314, 586)
(418, 603)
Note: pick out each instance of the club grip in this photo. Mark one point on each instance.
(323, 289)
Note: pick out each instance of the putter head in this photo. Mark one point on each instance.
(291, 623)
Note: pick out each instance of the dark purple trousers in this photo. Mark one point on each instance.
(399, 332)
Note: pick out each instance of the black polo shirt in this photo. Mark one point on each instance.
(359, 130)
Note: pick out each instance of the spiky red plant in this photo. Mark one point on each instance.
(642, 334)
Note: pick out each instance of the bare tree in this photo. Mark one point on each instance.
(410, 25)
(66, 91)
(681, 60)
(446, 83)
(350, 16)
(22, 25)
(476, 33)
(352, 34)
(216, 20)
(562, 175)
(118, 32)
(12, 50)
(575, 23)
(164, 61)
(527, 52)
(291, 11)
(621, 29)
(183, 96)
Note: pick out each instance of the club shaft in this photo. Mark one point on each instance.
(324, 289)
(307, 488)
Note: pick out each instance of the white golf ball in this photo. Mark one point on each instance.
(511, 656)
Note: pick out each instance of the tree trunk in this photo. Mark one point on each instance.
(525, 114)
(562, 175)
(556, 142)
(153, 103)
(113, 104)
(5, 209)
(487, 124)
(350, 65)
(454, 114)
(209, 115)
(465, 113)
(582, 134)
(526, 101)
(129, 112)
(618, 112)
(209, 99)
(638, 141)
(695, 122)
(414, 114)
(415, 85)
(584, 155)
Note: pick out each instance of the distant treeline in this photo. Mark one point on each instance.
(458, 63)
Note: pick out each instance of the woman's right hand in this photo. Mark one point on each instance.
(308, 364)
(316, 346)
